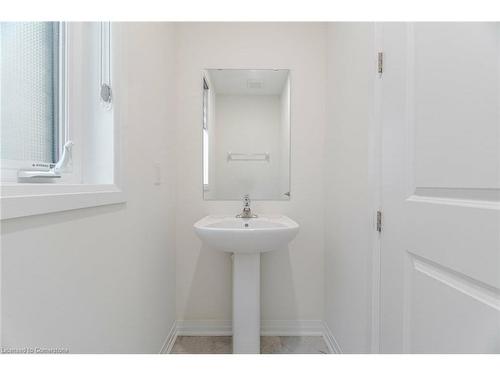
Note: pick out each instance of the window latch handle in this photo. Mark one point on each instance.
(64, 159)
(54, 172)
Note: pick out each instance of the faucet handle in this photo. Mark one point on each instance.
(247, 212)
(246, 200)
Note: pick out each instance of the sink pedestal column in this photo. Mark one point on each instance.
(246, 303)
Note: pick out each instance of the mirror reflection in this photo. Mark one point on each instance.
(246, 134)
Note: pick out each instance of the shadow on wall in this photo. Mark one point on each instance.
(38, 221)
(278, 298)
(215, 268)
(212, 269)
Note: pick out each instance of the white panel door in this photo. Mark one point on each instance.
(440, 244)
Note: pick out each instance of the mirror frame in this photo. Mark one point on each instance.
(288, 197)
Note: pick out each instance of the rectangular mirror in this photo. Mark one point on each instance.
(246, 134)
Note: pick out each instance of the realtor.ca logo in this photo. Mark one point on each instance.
(27, 350)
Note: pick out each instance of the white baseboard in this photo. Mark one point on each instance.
(332, 344)
(291, 328)
(204, 328)
(170, 340)
(268, 328)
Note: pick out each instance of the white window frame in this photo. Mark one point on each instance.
(18, 199)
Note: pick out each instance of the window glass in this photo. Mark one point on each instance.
(29, 55)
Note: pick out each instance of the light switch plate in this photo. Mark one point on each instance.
(157, 173)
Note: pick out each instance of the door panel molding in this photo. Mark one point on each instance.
(473, 194)
(460, 202)
(455, 281)
(462, 283)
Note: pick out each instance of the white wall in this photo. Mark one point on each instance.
(248, 124)
(292, 281)
(102, 279)
(349, 210)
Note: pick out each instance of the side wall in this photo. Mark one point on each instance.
(102, 280)
(349, 195)
(292, 280)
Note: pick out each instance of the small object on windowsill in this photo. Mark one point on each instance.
(33, 175)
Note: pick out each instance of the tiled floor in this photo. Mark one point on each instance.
(268, 345)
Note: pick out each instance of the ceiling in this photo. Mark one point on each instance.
(248, 82)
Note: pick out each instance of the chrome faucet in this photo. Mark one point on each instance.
(247, 212)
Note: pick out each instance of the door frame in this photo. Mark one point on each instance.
(375, 185)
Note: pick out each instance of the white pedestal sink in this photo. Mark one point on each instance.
(246, 239)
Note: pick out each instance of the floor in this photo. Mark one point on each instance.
(268, 345)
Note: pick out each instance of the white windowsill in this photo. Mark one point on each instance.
(19, 200)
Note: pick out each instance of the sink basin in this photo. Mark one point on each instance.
(237, 235)
(246, 239)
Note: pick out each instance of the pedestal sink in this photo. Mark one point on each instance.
(246, 239)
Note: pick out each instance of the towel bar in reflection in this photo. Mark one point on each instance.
(232, 156)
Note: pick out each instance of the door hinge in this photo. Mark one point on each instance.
(380, 63)
(379, 221)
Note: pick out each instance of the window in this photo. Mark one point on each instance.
(58, 134)
(205, 133)
(31, 88)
